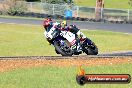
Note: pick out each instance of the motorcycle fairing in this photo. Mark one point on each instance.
(69, 36)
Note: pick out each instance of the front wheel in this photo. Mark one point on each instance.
(90, 48)
(63, 49)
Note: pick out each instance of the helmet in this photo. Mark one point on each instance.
(47, 23)
(49, 19)
(63, 24)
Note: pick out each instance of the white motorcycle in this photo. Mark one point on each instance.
(62, 41)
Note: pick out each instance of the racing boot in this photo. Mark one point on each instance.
(73, 47)
(79, 48)
(76, 52)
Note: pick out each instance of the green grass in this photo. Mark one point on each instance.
(59, 77)
(120, 4)
(20, 17)
(26, 40)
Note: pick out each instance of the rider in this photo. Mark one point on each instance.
(48, 24)
(72, 28)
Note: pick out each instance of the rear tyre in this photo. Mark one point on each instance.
(64, 50)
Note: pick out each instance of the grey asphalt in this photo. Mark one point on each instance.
(125, 53)
(125, 28)
(108, 55)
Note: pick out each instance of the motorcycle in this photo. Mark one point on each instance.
(62, 41)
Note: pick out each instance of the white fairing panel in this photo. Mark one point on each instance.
(69, 36)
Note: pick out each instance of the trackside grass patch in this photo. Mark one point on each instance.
(59, 77)
(118, 4)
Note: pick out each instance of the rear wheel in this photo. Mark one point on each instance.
(63, 49)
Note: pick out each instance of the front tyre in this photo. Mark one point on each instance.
(64, 49)
(90, 48)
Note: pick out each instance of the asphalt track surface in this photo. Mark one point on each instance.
(105, 55)
(125, 28)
